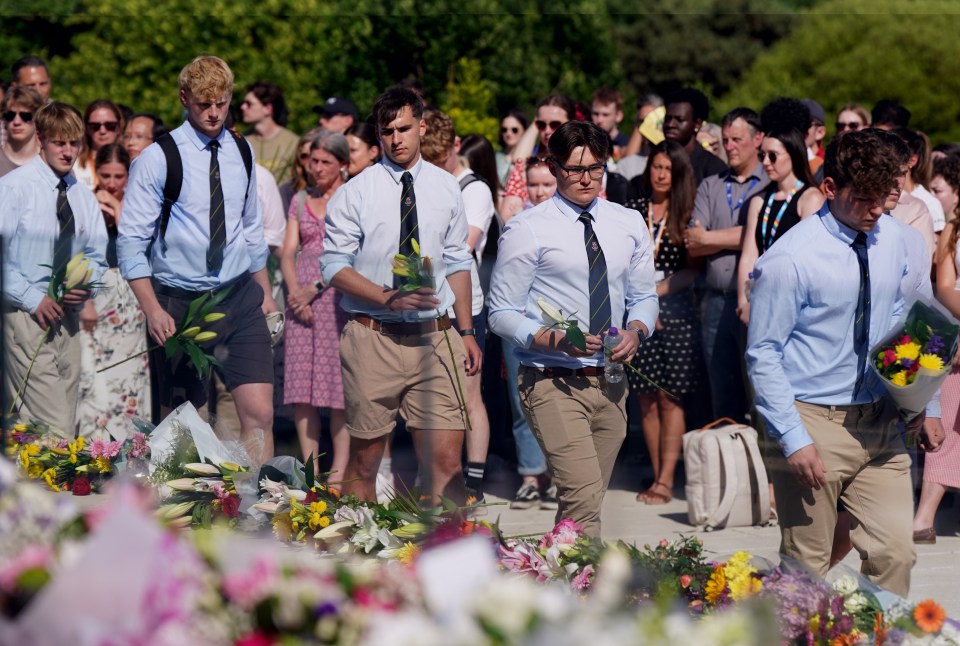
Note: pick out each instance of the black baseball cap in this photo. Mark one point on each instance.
(336, 105)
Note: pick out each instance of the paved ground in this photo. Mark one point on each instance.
(936, 574)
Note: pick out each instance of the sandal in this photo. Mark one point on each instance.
(651, 497)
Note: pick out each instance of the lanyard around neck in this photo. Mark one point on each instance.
(736, 207)
(662, 225)
(776, 222)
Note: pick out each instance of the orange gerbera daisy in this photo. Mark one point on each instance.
(879, 630)
(929, 616)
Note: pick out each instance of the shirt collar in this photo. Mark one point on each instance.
(842, 232)
(572, 210)
(200, 140)
(758, 173)
(396, 172)
(48, 176)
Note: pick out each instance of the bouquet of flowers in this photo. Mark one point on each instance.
(914, 360)
(208, 494)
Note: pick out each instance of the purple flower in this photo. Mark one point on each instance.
(934, 345)
(906, 363)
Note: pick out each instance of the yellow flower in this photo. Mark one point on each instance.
(75, 447)
(407, 553)
(907, 350)
(318, 507)
(34, 471)
(20, 428)
(899, 378)
(739, 575)
(48, 477)
(282, 527)
(931, 361)
(102, 464)
(27, 452)
(324, 521)
(314, 521)
(716, 586)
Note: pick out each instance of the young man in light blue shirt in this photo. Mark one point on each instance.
(825, 294)
(46, 217)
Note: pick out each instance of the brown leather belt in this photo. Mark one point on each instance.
(398, 328)
(556, 372)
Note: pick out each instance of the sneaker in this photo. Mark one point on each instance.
(475, 497)
(549, 498)
(527, 496)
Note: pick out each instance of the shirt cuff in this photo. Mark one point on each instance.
(460, 266)
(32, 299)
(526, 331)
(135, 268)
(331, 269)
(794, 439)
(933, 407)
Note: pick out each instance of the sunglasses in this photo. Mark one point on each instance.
(303, 156)
(504, 130)
(542, 125)
(26, 117)
(851, 125)
(95, 126)
(772, 156)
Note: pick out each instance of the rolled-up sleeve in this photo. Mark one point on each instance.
(17, 288)
(456, 253)
(341, 240)
(642, 302)
(511, 282)
(776, 301)
(142, 202)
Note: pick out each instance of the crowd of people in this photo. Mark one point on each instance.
(743, 268)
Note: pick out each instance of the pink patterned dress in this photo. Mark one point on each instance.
(311, 368)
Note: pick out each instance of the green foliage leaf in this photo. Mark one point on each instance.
(576, 338)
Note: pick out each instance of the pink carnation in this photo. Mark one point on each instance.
(101, 449)
(583, 579)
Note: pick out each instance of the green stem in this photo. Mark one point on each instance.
(23, 382)
(650, 381)
(132, 356)
(456, 373)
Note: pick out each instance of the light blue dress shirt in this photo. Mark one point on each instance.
(363, 232)
(542, 255)
(181, 259)
(29, 225)
(802, 308)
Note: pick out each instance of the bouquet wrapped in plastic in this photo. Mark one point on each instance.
(915, 358)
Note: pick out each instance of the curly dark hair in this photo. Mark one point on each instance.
(863, 161)
(784, 114)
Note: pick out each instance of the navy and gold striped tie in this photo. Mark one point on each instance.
(64, 242)
(408, 220)
(861, 321)
(218, 223)
(600, 314)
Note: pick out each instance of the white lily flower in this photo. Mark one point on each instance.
(551, 312)
(182, 484)
(202, 469)
(335, 530)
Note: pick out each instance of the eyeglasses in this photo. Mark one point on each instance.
(772, 156)
(542, 125)
(26, 117)
(95, 126)
(850, 125)
(576, 173)
(504, 130)
(303, 156)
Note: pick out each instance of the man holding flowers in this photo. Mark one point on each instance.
(548, 260)
(394, 352)
(833, 287)
(46, 217)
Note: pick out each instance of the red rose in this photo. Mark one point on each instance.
(231, 506)
(81, 486)
(255, 639)
(312, 496)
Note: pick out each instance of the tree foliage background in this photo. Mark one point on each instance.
(481, 58)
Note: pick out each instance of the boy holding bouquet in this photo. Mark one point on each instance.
(817, 314)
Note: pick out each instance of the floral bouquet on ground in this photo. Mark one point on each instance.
(914, 360)
(207, 494)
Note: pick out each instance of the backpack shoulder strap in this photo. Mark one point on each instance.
(719, 515)
(246, 152)
(470, 179)
(173, 181)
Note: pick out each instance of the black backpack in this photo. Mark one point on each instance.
(493, 231)
(174, 180)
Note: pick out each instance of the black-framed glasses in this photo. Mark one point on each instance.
(110, 126)
(850, 125)
(576, 173)
(542, 125)
(505, 129)
(10, 115)
(772, 156)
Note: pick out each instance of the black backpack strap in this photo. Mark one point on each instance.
(246, 152)
(470, 179)
(173, 182)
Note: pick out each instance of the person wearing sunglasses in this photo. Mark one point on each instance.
(553, 112)
(589, 258)
(512, 127)
(852, 117)
(21, 145)
(301, 179)
(104, 124)
(265, 110)
(790, 197)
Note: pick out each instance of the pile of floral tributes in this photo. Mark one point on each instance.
(127, 571)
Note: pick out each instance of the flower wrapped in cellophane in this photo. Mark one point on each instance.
(915, 358)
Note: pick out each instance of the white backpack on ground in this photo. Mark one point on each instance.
(726, 480)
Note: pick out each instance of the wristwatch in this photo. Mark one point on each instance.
(468, 331)
(319, 285)
(639, 331)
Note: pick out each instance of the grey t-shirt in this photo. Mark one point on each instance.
(716, 209)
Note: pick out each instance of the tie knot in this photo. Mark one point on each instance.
(860, 240)
(62, 186)
(585, 217)
(214, 145)
(406, 178)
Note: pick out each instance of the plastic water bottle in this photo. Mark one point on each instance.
(748, 287)
(612, 371)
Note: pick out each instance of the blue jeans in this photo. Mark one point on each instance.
(530, 460)
(723, 355)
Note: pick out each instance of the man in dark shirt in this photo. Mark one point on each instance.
(687, 109)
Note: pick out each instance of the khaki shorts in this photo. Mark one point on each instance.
(410, 374)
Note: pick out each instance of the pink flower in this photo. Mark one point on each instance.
(102, 449)
(138, 446)
(565, 533)
(685, 580)
(583, 579)
(889, 357)
(231, 506)
(34, 557)
(663, 542)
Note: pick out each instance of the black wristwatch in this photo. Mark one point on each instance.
(319, 285)
(639, 331)
(468, 331)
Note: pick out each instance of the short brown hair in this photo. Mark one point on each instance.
(23, 96)
(606, 95)
(207, 78)
(440, 137)
(58, 120)
(864, 162)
